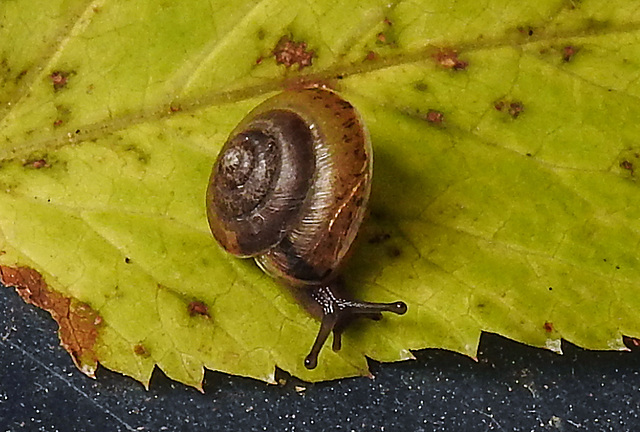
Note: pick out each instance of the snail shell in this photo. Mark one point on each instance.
(290, 188)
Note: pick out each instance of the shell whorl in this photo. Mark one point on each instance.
(259, 182)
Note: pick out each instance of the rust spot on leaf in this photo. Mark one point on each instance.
(625, 164)
(59, 79)
(371, 56)
(63, 115)
(37, 164)
(526, 30)
(288, 52)
(434, 116)
(568, 52)
(21, 75)
(448, 59)
(513, 108)
(548, 327)
(198, 308)
(141, 350)
(76, 320)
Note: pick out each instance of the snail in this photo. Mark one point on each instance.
(290, 189)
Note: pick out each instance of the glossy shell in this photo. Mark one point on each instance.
(291, 185)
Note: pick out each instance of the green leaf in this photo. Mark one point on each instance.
(505, 190)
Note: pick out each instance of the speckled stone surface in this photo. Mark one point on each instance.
(511, 388)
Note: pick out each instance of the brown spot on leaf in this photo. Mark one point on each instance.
(198, 308)
(513, 108)
(388, 22)
(448, 59)
(526, 30)
(625, 164)
(21, 75)
(59, 79)
(288, 52)
(381, 37)
(548, 326)
(76, 320)
(63, 115)
(174, 108)
(37, 164)
(434, 116)
(371, 56)
(141, 350)
(568, 52)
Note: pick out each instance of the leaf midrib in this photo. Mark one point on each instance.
(192, 104)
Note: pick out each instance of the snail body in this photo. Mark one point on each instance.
(290, 189)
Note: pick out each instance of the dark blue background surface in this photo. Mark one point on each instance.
(511, 388)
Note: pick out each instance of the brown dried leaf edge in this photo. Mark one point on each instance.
(78, 322)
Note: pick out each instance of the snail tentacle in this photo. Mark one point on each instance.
(335, 310)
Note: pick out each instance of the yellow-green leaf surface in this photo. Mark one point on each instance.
(515, 211)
